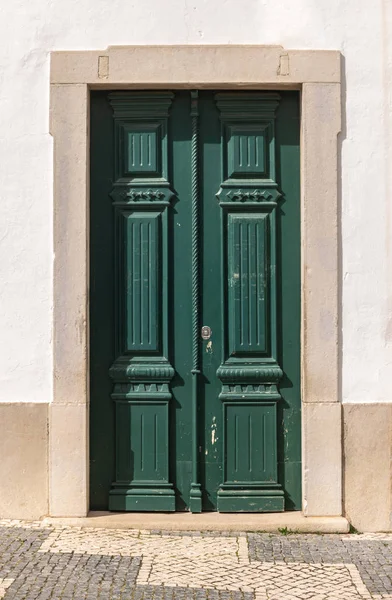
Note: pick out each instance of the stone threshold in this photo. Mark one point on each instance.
(212, 521)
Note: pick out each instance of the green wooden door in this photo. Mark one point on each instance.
(195, 301)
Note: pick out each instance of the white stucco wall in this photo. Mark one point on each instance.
(30, 29)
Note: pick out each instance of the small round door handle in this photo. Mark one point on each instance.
(206, 332)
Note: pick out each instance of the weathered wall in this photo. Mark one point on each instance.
(23, 460)
(29, 30)
(367, 465)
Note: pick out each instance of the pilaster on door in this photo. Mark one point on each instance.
(250, 372)
(141, 372)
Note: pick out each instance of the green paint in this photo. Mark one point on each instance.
(141, 265)
(249, 253)
(185, 197)
(141, 149)
(247, 276)
(195, 490)
(141, 369)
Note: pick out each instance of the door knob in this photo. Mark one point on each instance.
(206, 332)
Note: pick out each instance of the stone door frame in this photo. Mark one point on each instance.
(316, 74)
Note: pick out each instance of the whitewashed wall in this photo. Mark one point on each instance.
(30, 29)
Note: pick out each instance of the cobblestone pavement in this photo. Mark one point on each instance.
(40, 562)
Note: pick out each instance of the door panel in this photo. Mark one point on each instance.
(250, 371)
(247, 284)
(141, 372)
(195, 222)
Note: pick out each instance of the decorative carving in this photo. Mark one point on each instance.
(140, 105)
(248, 388)
(140, 132)
(249, 284)
(142, 194)
(140, 388)
(195, 492)
(252, 107)
(195, 231)
(122, 370)
(248, 134)
(141, 391)
(141, 373)
(142, 143)
(250, 373)
(247, 150)
(253, 195)
(259, 373)
(125, 195)
(139, 236)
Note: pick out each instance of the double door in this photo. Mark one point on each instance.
(195, 301)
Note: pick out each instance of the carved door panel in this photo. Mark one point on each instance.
(195, 287)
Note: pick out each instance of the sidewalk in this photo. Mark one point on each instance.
(43, 562)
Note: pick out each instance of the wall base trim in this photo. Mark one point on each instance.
(24, 460)
(367, 451)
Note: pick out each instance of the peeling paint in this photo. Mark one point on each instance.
(234, 279)
(214, 437)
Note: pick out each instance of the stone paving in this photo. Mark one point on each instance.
(41, 562)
